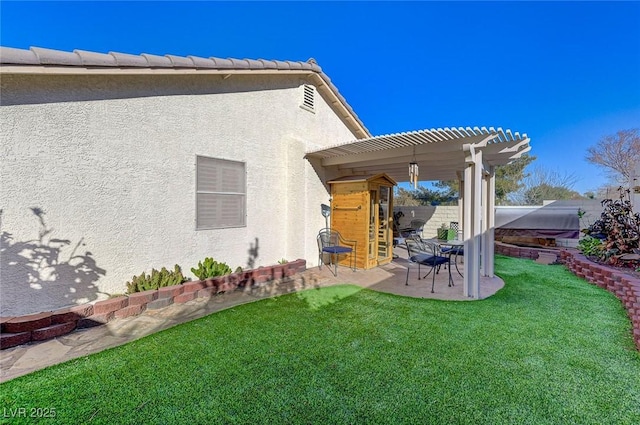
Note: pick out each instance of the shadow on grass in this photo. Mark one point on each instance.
(318, 298)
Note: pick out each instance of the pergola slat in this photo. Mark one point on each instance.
(395, 147)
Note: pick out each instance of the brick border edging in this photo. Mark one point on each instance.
(523, 252)
(626, 288)
(20, 330)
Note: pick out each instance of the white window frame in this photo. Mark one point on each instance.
(222, 193)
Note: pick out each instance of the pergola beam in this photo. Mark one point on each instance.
(403, 144)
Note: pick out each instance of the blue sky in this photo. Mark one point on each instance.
(566, 74)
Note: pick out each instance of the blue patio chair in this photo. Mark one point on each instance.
(332, 243)
(426, 253)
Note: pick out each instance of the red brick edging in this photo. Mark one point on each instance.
(626, 288)
(46, 325)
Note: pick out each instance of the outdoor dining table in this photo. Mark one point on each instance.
(451, 247)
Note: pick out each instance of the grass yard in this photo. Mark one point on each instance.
(547, 349)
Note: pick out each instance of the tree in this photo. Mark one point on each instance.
(608, 191)
(404, 197)
(508, 179)
(545, 184)
(422, 196)
(618, 154)
(537, 194)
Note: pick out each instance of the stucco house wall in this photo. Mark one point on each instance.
(98, 178)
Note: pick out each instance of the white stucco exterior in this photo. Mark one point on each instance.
(110, 160)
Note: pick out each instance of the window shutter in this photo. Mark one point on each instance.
(220, 193)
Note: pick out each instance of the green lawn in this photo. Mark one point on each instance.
(547, 349)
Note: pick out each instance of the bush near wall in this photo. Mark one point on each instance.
(46, 325)
(625, 287)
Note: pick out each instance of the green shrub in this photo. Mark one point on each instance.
(157, 279)
(618, 226)
(591, 247)
(210, 268)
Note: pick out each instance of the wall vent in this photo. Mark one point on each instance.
(308, 99)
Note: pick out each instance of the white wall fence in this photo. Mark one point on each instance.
(436, 216)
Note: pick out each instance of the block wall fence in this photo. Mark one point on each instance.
(46, 325)
(435, 217)
(625, 287)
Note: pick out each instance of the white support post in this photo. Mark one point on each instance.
(490, 218)
(467, 226)
(483, 224)
(460, 203)
(477, 231)
(472, 212)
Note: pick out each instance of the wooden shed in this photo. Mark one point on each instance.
(362, 210)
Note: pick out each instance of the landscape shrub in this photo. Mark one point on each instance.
(619, 227)
(210, 268)
(157, 279)
(591, 247)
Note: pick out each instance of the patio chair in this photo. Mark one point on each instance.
(332, 243)
(454, 251)
(426, 253)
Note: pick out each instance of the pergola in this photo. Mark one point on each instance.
(469, 155)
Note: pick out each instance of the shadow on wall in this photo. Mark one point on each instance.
(253, 254)
(37, 89)
(321, 172)
(37, 275)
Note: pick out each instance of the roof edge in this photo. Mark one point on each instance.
(38, 60)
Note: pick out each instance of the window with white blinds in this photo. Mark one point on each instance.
(221, 193)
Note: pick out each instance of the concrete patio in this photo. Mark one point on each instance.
(390, 278)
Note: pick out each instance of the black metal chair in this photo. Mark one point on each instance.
(454, 251)
(332, 243)
(426, 253)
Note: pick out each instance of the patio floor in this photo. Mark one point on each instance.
(391, 278)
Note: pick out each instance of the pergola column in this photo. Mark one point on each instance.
(466, 228)
(488, 248)
(477, 223)
(472, 220)
(460, 201)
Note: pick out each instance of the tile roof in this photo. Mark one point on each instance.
(41, 56)
(38, 56)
